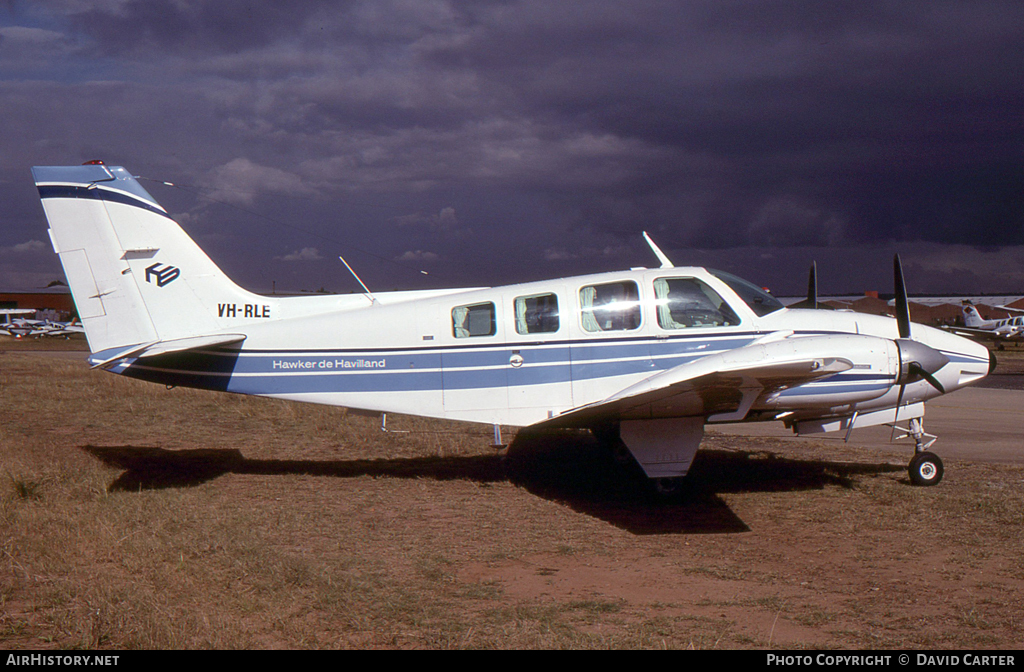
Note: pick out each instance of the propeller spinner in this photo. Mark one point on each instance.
(917, 360)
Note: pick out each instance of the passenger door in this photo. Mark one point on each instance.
(539, 375)
(473, 366)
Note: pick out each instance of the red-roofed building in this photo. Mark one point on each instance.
(58, 304)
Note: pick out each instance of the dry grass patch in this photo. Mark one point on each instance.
(135, 516)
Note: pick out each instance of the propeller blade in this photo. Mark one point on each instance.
(915, 369)
(917, 360)
(812, 292)
(812, 286)
(902, 307)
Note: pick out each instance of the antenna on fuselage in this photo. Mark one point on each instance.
(369, 294)
(665, 263)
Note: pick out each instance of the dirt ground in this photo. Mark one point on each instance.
(136, 517)
(815, 545)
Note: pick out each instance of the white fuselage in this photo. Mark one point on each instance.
(409, 352)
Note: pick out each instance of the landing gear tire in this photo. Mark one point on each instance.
(925, 469)
(608, 438)
(669, 488)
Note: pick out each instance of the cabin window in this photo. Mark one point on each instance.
(474, 320)
(537, 314)
(614, 306)
(684, 303)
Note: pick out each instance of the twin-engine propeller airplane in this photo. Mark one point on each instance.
(1008, 329)
(20, 326)
(647, 357)
(11, 325)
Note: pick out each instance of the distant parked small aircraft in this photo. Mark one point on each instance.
(21, 326)
(644, 358)
(17, 326)
(1009, 329)
(65, 329)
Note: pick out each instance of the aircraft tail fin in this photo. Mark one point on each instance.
(972, 318)
(135, 275)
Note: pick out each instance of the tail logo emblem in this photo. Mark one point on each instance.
(163, 275)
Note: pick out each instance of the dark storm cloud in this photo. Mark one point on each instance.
(191, 29)
(559, 130)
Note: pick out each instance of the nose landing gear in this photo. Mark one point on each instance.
(925, 467)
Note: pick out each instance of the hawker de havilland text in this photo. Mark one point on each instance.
(647, 357)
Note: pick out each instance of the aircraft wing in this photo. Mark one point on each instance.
(64, 331)
(982, 334)
(720, 387)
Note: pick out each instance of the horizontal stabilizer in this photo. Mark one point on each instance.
(103, 360)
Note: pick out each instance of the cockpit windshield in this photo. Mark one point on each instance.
(760, 301)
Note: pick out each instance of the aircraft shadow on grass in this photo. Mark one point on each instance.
(572, 470)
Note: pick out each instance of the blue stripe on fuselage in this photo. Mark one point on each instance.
(451, 368)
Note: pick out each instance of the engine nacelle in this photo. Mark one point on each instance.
(874, 370)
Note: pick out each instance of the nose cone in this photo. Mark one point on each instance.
(991, 361)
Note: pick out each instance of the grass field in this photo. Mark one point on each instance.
(132, 516)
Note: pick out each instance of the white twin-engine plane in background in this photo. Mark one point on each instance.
(647, 357)
(1008, 329)
(20, 327)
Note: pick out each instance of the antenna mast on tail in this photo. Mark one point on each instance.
(369, 294)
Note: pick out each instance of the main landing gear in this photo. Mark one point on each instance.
(925, 467)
